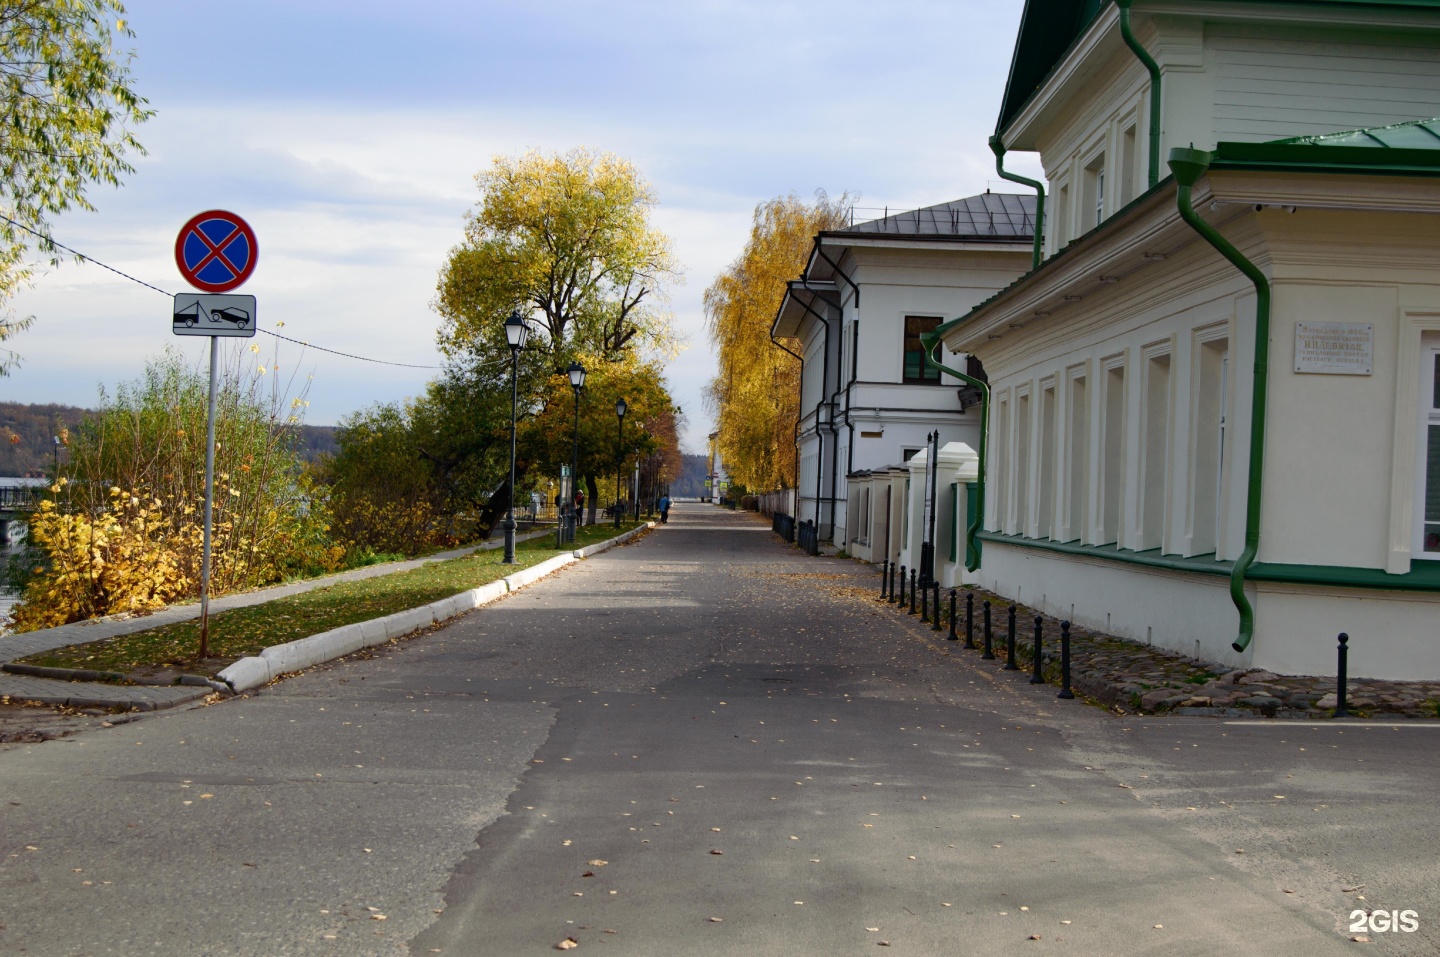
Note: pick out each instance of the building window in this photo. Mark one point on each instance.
(1127, 165)
(1045, 473)
(1154, 454)
(1077, 446)
(1430, 457)
(1092, 212)
(915, 371)
(1207, 484)
(1112, 465)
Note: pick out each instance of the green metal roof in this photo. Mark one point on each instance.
(1403, 148)
(1049, 28)
(1415, 135)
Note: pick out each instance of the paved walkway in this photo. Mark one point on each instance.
(711, 743)
(95, 694)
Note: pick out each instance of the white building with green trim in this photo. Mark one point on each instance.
(855, 318)
(1214, 404)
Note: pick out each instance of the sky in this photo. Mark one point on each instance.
(349, 134)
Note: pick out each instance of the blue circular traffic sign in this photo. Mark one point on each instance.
(216, 251)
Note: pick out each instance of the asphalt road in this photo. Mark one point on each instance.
(707, 743)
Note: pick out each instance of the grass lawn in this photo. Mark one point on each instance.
(241, 632)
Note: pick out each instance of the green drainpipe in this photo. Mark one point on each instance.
(1189, 165)
(998, 148)
(1153, 174)
(928, 342)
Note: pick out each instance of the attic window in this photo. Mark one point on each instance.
(915, 371)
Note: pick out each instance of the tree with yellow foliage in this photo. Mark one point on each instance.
(566, 237)
(755, 395)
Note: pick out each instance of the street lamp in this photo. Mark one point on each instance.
(620, 408)
(516, 332)
(577, 382)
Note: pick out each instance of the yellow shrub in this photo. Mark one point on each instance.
(123, 559)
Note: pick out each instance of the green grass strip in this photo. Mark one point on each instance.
(241, 632)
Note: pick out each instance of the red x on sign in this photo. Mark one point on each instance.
(216, 251)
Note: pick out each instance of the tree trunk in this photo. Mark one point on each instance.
(593, 496)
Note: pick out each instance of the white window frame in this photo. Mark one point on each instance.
(1429, 406)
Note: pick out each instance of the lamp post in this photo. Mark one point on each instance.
(577, 382)
(516, 332)
(619, 454)
(637, 488)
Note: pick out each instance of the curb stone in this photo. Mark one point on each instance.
(271, 663)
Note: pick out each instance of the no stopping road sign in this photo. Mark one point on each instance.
(216, 251)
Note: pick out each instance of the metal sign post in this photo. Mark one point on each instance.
(927, 531)
(216, 252)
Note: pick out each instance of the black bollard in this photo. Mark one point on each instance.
(970, 619)
(953, 636)
(989, 653)
(902, 587)
(914, 583)
(1010, 664)
(935, 621)
(1341, 668)
(884, 578)
(1038, 678)
(891, 597)
(1065, 691)
(924, 601)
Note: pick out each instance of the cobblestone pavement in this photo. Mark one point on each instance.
(1141, 679)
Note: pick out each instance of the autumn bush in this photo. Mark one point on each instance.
(122, 527)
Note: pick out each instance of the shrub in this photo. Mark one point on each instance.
(123, 528)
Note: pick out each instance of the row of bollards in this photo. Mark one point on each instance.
(887, 592)
(921, 592)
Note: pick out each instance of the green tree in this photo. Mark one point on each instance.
(755, 393)
(566, 236)
(66, 111)
(650, 428)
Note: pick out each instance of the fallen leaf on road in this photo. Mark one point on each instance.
(1034, 936)
(378, 917)
(207, 796)
(1159, 926)
(1360, 939)
(873, 930)
(717, 853)
(1128, 787)
(569, 943)
(716, 920)
(597, 863)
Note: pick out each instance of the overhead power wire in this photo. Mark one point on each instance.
(124, 275)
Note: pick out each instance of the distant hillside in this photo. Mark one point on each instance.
(37, 425)
(691, 484)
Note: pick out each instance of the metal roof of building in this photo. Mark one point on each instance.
(987, 216)
(1415, 135)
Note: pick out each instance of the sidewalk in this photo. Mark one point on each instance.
(95, 694)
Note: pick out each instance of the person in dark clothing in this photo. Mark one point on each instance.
(664, 506)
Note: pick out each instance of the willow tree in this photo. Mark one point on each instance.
(755, 394)
(565, 238)
(66, 112)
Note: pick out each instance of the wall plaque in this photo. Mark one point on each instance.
(1335, 348)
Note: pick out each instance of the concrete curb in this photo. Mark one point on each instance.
(248, 673)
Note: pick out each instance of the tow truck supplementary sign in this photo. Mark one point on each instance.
(216, 251)
(197, 314)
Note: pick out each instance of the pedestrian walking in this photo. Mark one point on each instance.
(579, 507)
(664, 505)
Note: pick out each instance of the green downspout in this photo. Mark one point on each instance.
(928, 343)
(1143, 55)
(1189, 165)
(998, 148)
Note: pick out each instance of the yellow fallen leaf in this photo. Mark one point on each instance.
(569, 943)
(597, 863)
